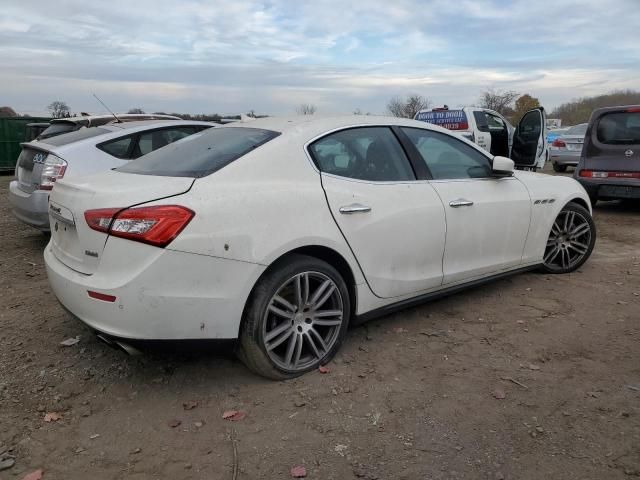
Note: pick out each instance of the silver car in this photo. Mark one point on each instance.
(82, 152)
(566, 149)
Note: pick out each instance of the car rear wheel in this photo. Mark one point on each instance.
(296, 318)
(559, 168)
(571, 240)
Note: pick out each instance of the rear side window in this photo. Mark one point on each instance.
(577, 130)
(118, 148)
(619, 128)
(371, 153)
(449, 119)
(200, 155)
(150, 141)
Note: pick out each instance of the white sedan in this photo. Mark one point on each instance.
(281, 232)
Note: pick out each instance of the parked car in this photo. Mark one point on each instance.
(525, 144)
(555, 133)
(42, 163)
(565, 150)
(58, 126)
(609, 166)
(283, 231)
(33, 130)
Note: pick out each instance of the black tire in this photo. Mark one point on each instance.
(253, 351)
(594, 199)
(559, 168)
(563, 245)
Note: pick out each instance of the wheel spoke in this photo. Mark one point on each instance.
(564, 258)
(327, 313)
(552, 254)
(298, 351)
(556, 229)
(568, 221)
(298, 290)
(293, 342)
(289, 306)
(313, 345)
(321, 301)
(286, 334)
(580, 230)
(319, 291)
(581, 248)
(280, 312)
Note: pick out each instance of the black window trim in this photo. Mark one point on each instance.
(394, 132)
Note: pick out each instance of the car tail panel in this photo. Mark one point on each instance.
(77, 244)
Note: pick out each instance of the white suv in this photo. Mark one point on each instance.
(525, 144)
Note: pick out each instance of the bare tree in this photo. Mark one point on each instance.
(498, 100)
(407, 107)
(7, 112)
(136, 110)
(59, 109)
(306, 109)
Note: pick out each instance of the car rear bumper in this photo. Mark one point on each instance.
(30, 208)
(611, 189)
(175, 296)
(564, 158)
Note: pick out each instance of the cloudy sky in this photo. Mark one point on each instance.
(269, 56)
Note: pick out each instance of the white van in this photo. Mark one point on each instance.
(525, 144)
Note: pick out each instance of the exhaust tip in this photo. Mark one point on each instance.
(119, 345)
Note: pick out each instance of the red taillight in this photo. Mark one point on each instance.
(157, 225)
(558, 143)
(53, 169)
(633, 109)
(601, 174)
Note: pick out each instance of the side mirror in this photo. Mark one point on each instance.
(502, 166)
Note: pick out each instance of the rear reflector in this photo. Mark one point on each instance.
(156, 225)
(101, 296)
(599, 174)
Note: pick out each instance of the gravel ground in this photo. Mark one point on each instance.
(535, 376)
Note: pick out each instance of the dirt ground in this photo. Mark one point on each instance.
(410, 396)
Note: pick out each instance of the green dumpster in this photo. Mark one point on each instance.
(13, 131)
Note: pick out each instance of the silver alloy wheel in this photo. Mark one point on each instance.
(302, 321)
(568, 242)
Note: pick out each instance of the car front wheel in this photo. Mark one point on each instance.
(296, 318)
(571, 240)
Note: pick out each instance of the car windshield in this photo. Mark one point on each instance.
(577, 130)
(71, 137)
(619, 128)
(201, 154)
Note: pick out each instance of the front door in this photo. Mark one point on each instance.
(487, 217)
(529, 140)
(394, 224)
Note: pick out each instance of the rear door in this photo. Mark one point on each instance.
(393, 223)
(529, 143)
(487, 218)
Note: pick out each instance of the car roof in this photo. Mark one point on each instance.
(112, 131)
(314, 125)
(123, 116)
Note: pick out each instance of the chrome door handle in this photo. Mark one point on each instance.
(354, 208)
(461, 202)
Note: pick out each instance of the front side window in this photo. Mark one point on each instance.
(619, 128)
(447, 157)
(496, 124)
(368, 153)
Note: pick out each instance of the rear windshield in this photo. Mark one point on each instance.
(577, 130)
(450, 119)
(58, 128)
(201, 154)
(619, 128)
(71, 137)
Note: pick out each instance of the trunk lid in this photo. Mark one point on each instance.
(72, 241)
(573, 142)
